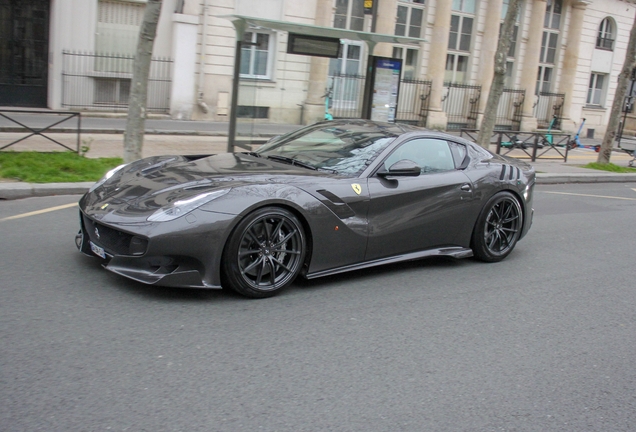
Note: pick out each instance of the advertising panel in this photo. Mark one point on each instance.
(386, 86)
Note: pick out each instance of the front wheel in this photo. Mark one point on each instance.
(498, 228)
(265, 253)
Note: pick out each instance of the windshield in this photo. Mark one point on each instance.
(345, 148)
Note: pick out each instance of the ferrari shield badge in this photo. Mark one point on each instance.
(357, 188)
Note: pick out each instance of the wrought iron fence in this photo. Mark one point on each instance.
(509, 109)
(413, 102)
(526, 145)
(347, 91)
(461, 104)
(549, 107)
(101, 82)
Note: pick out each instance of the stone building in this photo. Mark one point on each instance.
(564, 60)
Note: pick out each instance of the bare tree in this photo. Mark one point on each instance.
(497, 86)
(619, 99)
(134, 135)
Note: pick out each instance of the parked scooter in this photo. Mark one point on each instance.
(576, 142)
(547, 138)
(327, 96)
(514, 142)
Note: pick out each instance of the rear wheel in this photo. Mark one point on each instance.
(265, 253)
(498, 228)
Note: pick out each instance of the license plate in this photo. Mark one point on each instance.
(99, 251)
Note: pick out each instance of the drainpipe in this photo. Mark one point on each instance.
(200, 102)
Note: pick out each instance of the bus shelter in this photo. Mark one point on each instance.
(303, 40)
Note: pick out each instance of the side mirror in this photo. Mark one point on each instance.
(402, 168)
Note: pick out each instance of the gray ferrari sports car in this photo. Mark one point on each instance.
(328, 198)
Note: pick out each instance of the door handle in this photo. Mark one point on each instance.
(466, 187)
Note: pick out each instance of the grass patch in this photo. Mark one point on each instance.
(55, 167)
(609, 167)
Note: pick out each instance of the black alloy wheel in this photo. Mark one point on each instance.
(265, 253)
(498, 228)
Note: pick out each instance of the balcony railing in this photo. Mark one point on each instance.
(605, 43)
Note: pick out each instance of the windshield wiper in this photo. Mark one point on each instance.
(291, 161)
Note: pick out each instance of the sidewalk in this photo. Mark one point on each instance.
(105, 123)
(165, 136)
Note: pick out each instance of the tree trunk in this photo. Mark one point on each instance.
(619, 99)
(497, 87)
(135, 125)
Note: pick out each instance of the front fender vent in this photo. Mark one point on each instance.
(503, 172)
(512, 172)
(336, 204)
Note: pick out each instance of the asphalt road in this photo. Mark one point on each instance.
(542, 341)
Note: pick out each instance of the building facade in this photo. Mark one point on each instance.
(563, 63)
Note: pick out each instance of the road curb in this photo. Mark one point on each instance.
(557, 178)
(19, 190)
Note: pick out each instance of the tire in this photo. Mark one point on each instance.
(498, 228)
(264, 253)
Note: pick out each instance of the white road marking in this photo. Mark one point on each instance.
(593, 196)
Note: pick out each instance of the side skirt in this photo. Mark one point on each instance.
(451, 251)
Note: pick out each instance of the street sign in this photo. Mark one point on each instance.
(313, 45)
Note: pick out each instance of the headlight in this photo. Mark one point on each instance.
(108, 175)
(183, 207)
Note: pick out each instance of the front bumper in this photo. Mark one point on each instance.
(173, 254)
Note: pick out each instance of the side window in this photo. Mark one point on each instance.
(432, 155)
(459, 152)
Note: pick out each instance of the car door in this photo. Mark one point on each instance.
(408, 214)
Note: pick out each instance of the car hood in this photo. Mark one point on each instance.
(146, 185)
